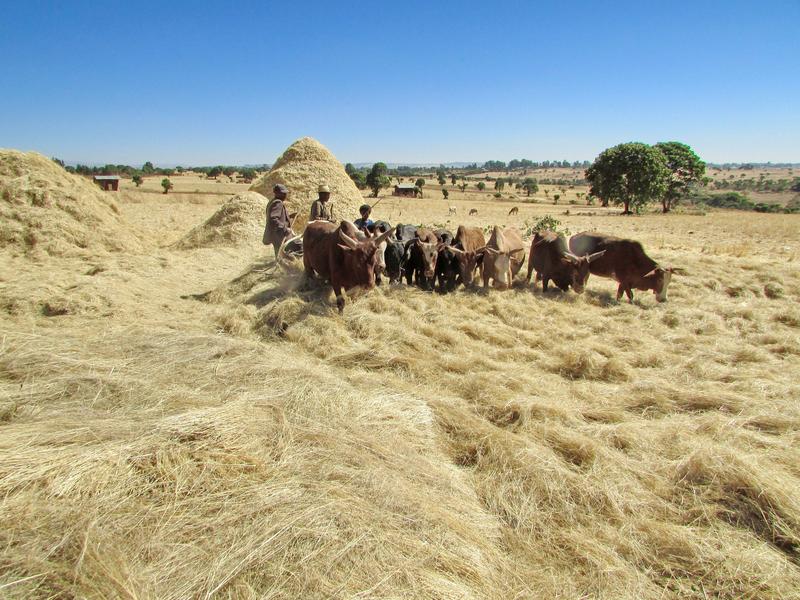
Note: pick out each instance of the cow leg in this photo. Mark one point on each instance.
(620, 290)
(409, 275)
(337, 289)
(485, 275)
(545, 281)
(629, 293)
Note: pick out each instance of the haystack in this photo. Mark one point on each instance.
(45, 209)
(238, 222)
(302, 168)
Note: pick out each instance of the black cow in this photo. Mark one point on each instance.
(446, 262)
(395, 258)
(405, 233)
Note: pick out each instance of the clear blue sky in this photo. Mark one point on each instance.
(411, 81)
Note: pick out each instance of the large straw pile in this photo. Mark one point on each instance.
(43, 208)
(238, 222)
(302, 168)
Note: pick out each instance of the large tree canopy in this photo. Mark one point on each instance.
(631, 174)
(377, 178)
(686, 168)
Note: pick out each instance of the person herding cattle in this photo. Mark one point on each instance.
(322, 207)
(278, 226)
(364, 223)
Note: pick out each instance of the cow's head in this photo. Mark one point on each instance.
(578, 269)
(658, 280)
(362, 259)
(428, 251)
(499, 263)
(467, 262)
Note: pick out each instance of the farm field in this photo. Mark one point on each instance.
(183, 423)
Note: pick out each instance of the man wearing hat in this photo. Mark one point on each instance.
(278, 225)
(322, 209)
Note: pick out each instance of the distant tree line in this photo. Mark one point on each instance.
(524, 163)
(148, 169)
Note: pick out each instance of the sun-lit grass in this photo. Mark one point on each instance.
(251, 442)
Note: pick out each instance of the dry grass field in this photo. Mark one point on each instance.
(185, 424)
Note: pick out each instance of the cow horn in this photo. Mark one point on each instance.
(351, 243)
(649, 273)
(677, 270)
(457, 250)
(572, 258)
(491, 250)
(383, 237)
(596, 255)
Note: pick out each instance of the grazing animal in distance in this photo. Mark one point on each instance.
(553, 261)
(473, 211)
(421, 254)
(626, 262)
(514, 211)
(339, 258)
(503, 257)
(452, 211)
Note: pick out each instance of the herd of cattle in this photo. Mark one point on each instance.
(348, 258)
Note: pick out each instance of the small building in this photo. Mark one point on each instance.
(107, 182)
(405, 189)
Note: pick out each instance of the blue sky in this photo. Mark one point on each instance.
(237, 82)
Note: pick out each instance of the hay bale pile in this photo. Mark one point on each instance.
(302, 168)
(238, 222)
(45, 209)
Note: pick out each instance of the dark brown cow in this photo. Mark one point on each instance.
(421, 264)
(336, 256)
(625, 261)
(473, 211)
(468, 246)
(552, 260)
(503, 257)
(514, 211)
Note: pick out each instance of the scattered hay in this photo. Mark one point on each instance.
(46, 210)
(302, 168)
(238, 222)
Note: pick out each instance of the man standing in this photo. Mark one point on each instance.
(278, 226)
(321, 209)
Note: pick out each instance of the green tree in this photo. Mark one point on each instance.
(420, 183)
(350, 169)
(228, 171)
(463, 187)
(631, 174)
(215, 172)
(453, 179)
(500, 184)
(359, 179)
(686, 168)
(378, 178)
(166, 184)
(442, 180)
(530, 186)
(137, 179)
(148, 167)
(555, 198)
(481, 186)
(247, 174)
(445, 193)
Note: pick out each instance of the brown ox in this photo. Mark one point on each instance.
(336, 256)
(552, 260)
(625, 261)
(503, 257)
(514, 211)
(351, 230)
(473, 211)
(468, 246)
